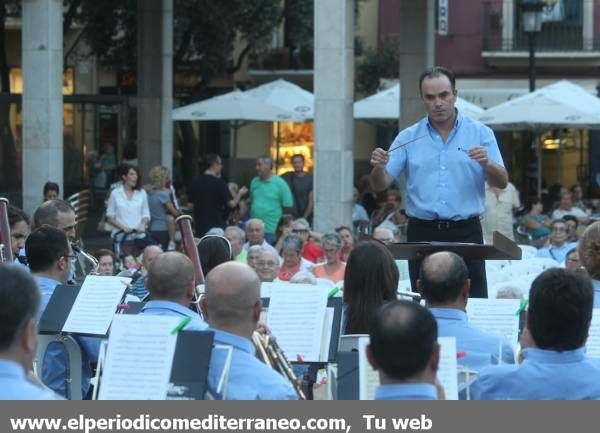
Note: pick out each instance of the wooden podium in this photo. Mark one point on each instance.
(502, 248)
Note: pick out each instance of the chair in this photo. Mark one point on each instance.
(528, 251)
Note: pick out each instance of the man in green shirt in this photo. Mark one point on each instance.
(270, 196)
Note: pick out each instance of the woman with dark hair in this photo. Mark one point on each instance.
(284, 228)
(371, 280)
(348, 241)
(128, 203)
(19, 224)
(213, 250)
(535, 222)
(51, 191)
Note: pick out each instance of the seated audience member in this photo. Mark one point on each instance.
(384, 235)
(51, 191)
(589, 254)
(444, 284)
(232, 307)
(535, 222)
(577, 197)
(559, 247)
(555, 366)
(310, 251)
(253, 253)
(333, 269)
(404, 350)
(348, 241)
(510, 292)
(284, 228)
(170, 281)
(572, 262)
(138, 284)
(565, 207)
(49, 255)
(236, 237)
(255, 235)
(267, 266)
(19, 309)
(370, 281)
(293, 261)
(389, 213)
(106, 262)
(212, 251)
(359, 213)
(573, 228)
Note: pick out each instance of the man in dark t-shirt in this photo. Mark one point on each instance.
(301, 184)
(211, 197)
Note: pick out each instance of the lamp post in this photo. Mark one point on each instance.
(531, 17)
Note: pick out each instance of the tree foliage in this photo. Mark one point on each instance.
(376, 64)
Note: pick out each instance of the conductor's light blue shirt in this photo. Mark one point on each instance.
(14, 385)
(249, 378)
(168, 308)
(411, 391)
(543, 375)
(481, 348)
(596, 284)
(443, 182)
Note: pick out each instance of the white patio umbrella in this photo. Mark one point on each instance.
(386, 105)
(289, 96)
(558, 105)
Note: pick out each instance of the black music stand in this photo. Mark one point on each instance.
(502, 248)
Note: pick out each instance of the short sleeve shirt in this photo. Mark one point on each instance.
(269, 197)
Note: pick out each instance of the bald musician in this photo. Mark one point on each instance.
(170, 282)
(232, 307)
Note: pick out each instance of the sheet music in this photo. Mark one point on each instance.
(496, 316)
(139, 358)
(592, 346)
(296, 319)
(448, 372)
(368, 378)
(267, 287)
(326, 337)
(95, 305)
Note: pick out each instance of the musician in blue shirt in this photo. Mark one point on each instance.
(444, 283)
(49, 255)
(232, 307)
(446, 158)
(404, 349)
(555, 366)
(19, 306)
(170, 282)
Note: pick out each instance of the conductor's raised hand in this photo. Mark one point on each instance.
(379, 157)
(479, 154)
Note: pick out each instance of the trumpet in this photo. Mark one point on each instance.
(269, 352)
(85, 263)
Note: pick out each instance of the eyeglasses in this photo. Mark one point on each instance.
(569, 259)
(266, 263)
(300, 231)
(559, 229)
(70, 257)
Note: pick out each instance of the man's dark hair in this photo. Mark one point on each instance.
(211, 159)
(437, 71)
(19, 302)
(44, 246)
(298, 155)
(403, 338)
(16, 215)
(47, 212)
(560, 309)
(441, 284)
(266, 160)
(570, 217)
(51, 186)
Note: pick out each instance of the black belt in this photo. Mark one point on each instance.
(444, 224)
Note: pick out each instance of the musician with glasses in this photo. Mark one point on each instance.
(49, 254)
(19, 309)
(170, 282)
(446, 158)
(232, 307)
(559, 247)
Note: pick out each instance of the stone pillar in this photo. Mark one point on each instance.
(588, 25)
(155, 84)
(508, 24)
(416, 55)
(334, 123)
(42, 45)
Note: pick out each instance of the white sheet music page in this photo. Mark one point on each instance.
(592, 346)
(326, 338)
(447, 372)
(368, 378)
(296, 319)
(95, 305)
(139, 358)
(496, 316)
(267, 287)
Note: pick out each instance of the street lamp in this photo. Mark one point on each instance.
(531, 17)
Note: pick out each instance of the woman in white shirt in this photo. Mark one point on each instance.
(128, 203)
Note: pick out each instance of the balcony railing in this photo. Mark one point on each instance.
(565, 35)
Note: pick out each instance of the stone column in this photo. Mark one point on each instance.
(42, 45)
(334, 123)
(508, 24)
(588, 25)
(155, 84)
